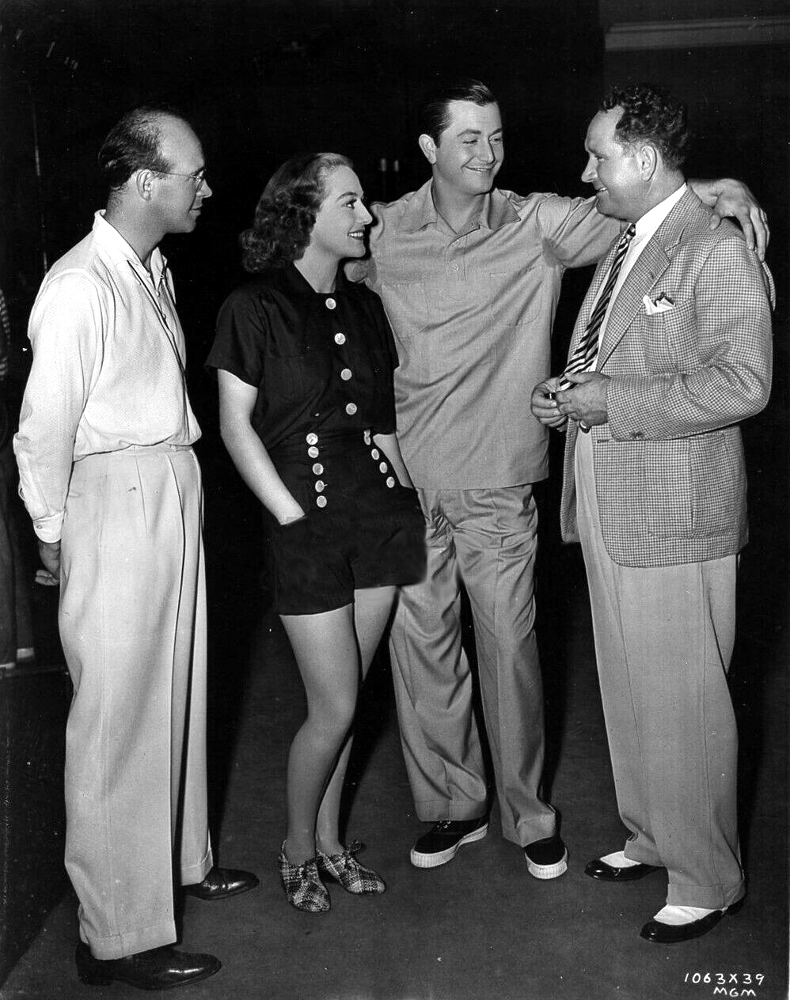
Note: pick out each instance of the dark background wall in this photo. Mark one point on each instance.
(263, 79)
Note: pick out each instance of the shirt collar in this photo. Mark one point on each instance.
(298, 284)
(420, 211)
(650, 221)
(118, 249)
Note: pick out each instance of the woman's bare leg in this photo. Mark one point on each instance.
(325, 648)
(372, 608)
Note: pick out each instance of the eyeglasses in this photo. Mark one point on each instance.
(199, 177)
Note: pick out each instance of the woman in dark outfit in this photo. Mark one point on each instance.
(305, 361)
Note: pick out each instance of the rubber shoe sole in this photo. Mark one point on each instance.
(548, 871)
(442, 857)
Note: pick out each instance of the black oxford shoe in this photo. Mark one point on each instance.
(221, 883)
(608, 873)
(158, 969)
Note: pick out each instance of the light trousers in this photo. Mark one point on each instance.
(132, 623)
(485, 540)
(663, 642)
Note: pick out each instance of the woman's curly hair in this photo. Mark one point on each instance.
(286, 211)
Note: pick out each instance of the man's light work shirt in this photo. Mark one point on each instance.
(107, 372)
(472, 315)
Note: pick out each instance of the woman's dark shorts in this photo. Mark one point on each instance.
(362, 529)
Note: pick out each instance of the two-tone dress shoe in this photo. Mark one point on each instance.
(221, 883)
(610, 873)
(158, 969)
(658, 932)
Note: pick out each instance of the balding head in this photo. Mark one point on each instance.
(135, 143)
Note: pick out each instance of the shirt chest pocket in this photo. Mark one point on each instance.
(406, 304)
(512, 295)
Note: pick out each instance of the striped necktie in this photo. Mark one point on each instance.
(586, 350)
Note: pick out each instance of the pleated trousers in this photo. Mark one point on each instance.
(132, 624)
(485, 540)
(664, 638)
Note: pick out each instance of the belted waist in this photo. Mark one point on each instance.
(136, 450)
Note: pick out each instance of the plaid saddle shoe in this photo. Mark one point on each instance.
(303, 886)
(345, 869)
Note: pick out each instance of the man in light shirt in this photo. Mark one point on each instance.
(470, 277)
(111, 482)
(671, 350)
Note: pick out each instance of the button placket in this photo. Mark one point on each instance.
(346, 374)
(317, 468)
(375, 454)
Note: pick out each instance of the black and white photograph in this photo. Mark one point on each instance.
(394, 466)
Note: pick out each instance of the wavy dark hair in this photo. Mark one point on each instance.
(435, 112)
(286, 211)
(133, 144)
(651, 114)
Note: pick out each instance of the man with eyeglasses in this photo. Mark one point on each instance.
(111, 482)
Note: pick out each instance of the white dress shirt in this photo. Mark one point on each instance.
(108, 369)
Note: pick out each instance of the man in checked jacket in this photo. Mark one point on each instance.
(658, 378)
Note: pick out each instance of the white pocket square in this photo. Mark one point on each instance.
(658, 305)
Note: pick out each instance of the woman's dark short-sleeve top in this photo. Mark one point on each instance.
(321, 363)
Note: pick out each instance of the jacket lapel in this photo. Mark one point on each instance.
(649, 266)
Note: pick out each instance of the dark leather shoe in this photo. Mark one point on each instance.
(158, 969)
(221, 883)
(608, 873)
(659, 933)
